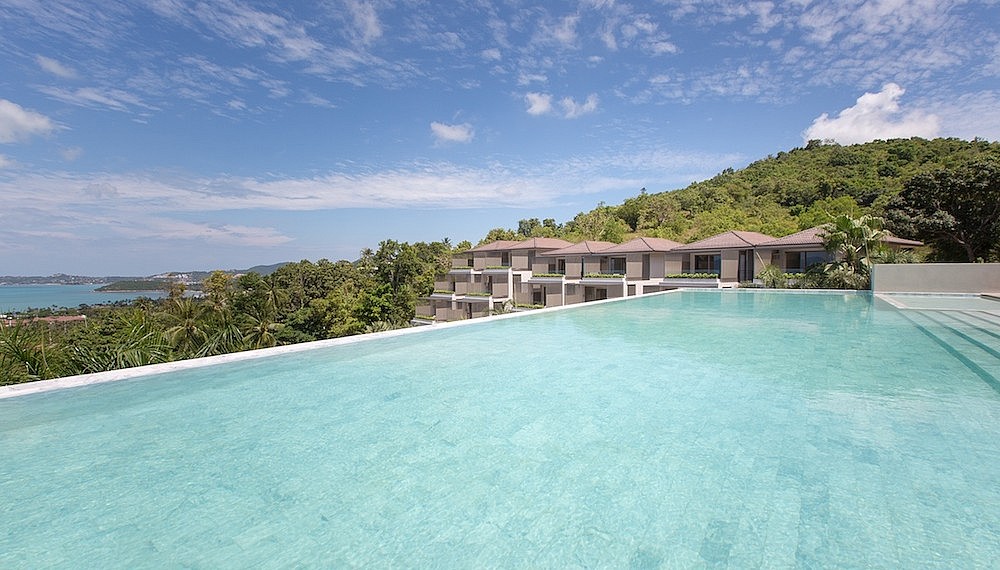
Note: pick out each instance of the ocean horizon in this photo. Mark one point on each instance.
(15, 298)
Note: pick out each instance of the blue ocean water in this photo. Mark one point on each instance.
(21, 297)
(689, 430)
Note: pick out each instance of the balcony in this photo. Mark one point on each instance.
(700, 280)
(464, 271)
(476, 297)
(442, 295)
(603, 279)
(546, 278)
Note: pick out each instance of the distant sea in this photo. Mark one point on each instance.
(21, 297)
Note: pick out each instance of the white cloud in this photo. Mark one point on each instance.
(661, 47)
(71, 153)
(874, 116)
(538, 103)
(491, 54)
(572, 109)
(6, 162)
(565, 31)
(116, 99)
(452, 133)
(18, 124)
(542, 104)
(55, 68)
(528, 78)
(366, 22)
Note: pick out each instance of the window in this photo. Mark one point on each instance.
(793, 261)
(561, 266)
(707, 263)
(538, 296)
(618, 265)
(505, 258)
(816, 258)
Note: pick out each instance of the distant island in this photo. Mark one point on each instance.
(133, 283)
(136, 285)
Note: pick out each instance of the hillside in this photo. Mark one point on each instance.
(777, 195)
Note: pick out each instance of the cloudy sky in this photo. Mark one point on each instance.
(146, 136)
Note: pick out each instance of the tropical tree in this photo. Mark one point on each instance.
(224, 334)
(122, 339)
(957, 210)
(854, 242)
(186, 330)
(218, 288)
(24, 354)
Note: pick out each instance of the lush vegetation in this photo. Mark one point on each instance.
(943, 191)
(298, 302)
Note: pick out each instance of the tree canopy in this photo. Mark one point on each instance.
(956, 209)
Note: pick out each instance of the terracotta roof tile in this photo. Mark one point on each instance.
(495, 246)
(582, 248)
(814, 236)
(732, 239)
(542, 243)
(643, 245)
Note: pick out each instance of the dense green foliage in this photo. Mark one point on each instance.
(298, 302)
(792, 191)
(956, 209)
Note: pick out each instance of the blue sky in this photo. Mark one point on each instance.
(140, 137)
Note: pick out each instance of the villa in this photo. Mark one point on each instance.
(798, 252)
(552, 272)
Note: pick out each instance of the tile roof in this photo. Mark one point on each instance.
(732, 239)
(805, 237)
(582, 248)
(542, 243)
(643, 245)
(495, 246)
(814, 236)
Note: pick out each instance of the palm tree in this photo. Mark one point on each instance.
(138, 342)
(185, 332)
(854, 241)
(23, 355)
(260, 333)
(224, 336)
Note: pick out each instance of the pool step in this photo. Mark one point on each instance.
(969, 338)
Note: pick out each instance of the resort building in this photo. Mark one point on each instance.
(732, 256)
(485, 277)
(558, 274)
(644, 263)
(547, 272)
(798, 252)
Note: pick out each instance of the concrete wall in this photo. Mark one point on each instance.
(936, 277)
(591, 264)
(574, 294)
(520, 259)
(673, 263)
(730, 265)
(487, 259)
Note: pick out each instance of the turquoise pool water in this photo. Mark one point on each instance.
(695, 429)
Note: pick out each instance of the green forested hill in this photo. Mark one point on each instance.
(777, 195)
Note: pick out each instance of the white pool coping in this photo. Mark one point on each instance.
(42, 386)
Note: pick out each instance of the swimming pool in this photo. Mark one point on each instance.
(692, 429)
